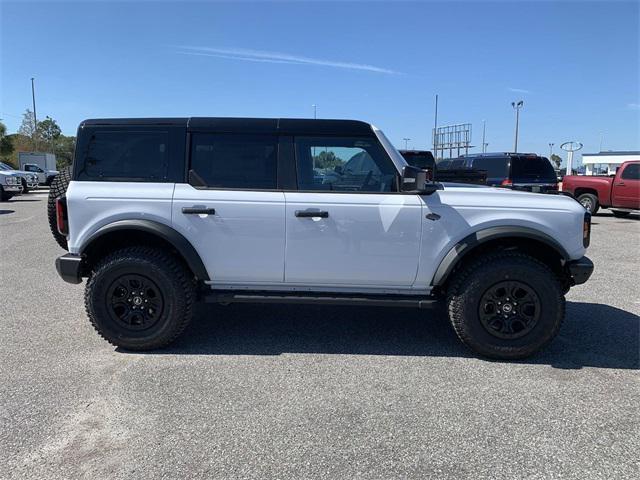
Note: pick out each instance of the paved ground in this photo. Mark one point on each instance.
(307, 392)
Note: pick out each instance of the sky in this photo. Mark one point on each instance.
(575, 64)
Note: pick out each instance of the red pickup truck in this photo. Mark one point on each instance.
(620, 193)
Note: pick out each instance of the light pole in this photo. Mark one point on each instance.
(551, 150)
(517, 107)
(315, 111)
(484, 130)
(35, 118)
(405, 142)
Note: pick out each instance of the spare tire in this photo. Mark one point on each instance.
(58, 189)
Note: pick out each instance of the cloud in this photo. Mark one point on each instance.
(633, 106)
(519, 90)
(263, 56)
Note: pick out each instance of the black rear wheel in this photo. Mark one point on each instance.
(506, 305)
(58, 189)
(140, 298)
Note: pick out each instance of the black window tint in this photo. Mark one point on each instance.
(357, 164)
(126, 155)
(496, 167)
(631, 172)
(235, 161)
(532, 170)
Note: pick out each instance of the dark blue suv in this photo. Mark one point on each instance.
(518, 171)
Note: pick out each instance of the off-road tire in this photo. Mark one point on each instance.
(58, 189)
(175, 284)
(470, 284)
(25, 189)
(590, 202)
(620, 213)
(4, 196)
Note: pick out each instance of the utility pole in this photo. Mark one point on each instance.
(435, 131)
(315, 111)
(601, 140)
(405, 142)
(517, 107)
(35, 118)
(484, 130)
(551, 150)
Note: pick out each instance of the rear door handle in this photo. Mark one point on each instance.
(198, 211)
(311, 214)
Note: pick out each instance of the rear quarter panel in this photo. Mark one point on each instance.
(93, 205)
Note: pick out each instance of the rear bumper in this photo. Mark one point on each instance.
(580, 270)
(69, 268)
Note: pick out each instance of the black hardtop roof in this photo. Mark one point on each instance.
(246, 125)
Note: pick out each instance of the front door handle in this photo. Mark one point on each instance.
(620, 184)
(198, 211)
(311, 214)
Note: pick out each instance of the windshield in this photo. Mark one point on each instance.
(532, 169)
(4, 166)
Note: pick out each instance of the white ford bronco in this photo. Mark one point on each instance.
(160, 213)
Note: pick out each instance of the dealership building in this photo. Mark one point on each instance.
(605, 163)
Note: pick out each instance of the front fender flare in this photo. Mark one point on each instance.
(170, 235)
(460, 249)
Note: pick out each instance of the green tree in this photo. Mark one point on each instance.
(555, 159)
(64, 148)
(327, 160)
(49, 132)
(6, 145)
(28, 128)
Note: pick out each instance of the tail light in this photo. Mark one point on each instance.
(586, 229)
(506, 183)
(62, 219)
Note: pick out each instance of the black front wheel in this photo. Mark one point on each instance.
(140, 298)
(506, 305)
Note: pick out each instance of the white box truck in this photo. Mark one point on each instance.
(44, 164)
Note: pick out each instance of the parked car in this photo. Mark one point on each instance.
(45, 177)
(234, 210)
(424, 159)
(46, 162)
(517, 171)
(28, 180)
(620, 193)
(10, 185)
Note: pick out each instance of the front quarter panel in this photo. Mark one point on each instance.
(465, 211)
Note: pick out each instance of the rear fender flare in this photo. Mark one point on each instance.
(165, 232)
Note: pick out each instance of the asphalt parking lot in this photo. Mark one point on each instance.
(313, 392)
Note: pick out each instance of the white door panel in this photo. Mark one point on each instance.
(243, 242)
(366, 239)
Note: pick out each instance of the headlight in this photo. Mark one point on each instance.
(11, 180)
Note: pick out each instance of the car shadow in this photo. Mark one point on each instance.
(6, 212)
(593, 335)
(631, 216)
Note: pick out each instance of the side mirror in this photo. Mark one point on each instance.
(415, 180)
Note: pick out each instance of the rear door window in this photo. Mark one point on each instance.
(234, 161)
